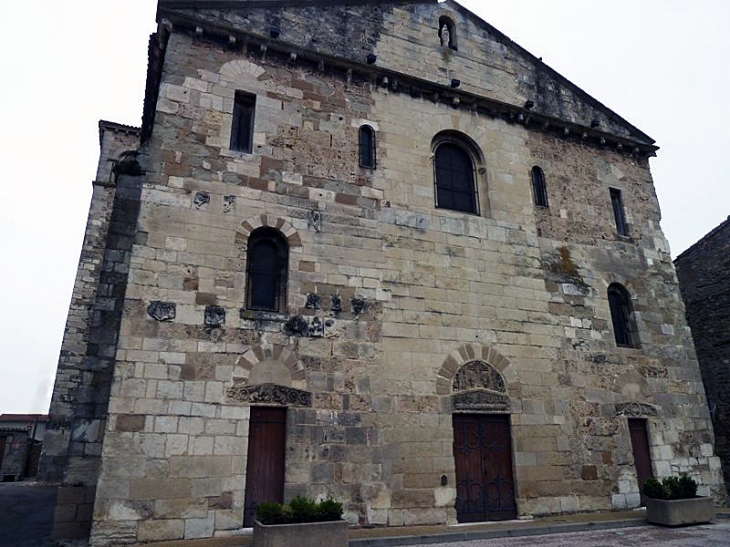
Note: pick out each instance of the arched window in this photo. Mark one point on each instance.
(266, 270)
(622, 318)
(455, 180)
(447, 32)
(367, 147)
(539, 190)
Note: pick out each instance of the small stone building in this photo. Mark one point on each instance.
(21, 439)
(375, 251)
(704, 277)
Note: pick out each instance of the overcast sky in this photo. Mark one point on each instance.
(661, 64)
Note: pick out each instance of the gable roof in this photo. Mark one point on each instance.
(527, 90)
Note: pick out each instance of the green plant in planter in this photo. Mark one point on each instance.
(670, 488)
(299, 510)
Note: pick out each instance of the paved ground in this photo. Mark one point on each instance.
(711, 535)
(26, 514)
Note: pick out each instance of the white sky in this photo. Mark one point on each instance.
(661, 64)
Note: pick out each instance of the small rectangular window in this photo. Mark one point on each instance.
(242, 129)
(619, 215)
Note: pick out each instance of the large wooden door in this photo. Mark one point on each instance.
(640, 448)
(483, 459)
(265, 469)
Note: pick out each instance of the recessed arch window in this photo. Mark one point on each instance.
(622, 316)
(367, 146)
(266, 270)
(455, 174)
(539, 190)
(447, 32)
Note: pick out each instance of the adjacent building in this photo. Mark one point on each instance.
(704, 277)
(21, 439)
(375, 251)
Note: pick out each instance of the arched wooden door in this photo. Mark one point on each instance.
(483, 459)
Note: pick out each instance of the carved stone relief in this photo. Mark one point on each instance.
(336, 303)
(201, 199)
(269, 394)
(314, 220)
(229, 203)
(162, 311)
(314, 301)
(480, 400)
(476, 375)
(635, 409)
(215, 316)
(358, 305)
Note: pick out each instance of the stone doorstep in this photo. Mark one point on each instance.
(415, 535)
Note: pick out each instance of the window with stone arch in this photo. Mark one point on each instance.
(456, 162)
(367, 146)
(267, 264)
(447, 32)
(539, 189)
(622, 316)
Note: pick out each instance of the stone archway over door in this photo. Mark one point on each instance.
(483, 460)
(266, 455)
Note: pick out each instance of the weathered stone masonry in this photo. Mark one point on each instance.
(399, 315)
(703, 275)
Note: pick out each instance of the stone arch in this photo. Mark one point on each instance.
(278, 223)
(270, 375)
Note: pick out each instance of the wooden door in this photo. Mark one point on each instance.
(483, 459)
(640, 448)
(265, 468)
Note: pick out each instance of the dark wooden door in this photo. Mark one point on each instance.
(483, 458)
(265, 469)
(640, 448)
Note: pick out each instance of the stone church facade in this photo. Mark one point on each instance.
(374, 251)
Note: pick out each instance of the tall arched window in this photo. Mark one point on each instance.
(367, 147)
(539, 190)
(266, 270)
(455, 180)
(624, 329)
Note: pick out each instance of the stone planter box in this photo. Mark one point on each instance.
(316, 534)
(679, 512)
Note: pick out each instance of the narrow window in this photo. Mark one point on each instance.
(619, 215)
(622, 316)
(539, 189)
(266, 272)
(367, 147)
(244, 107)
(447, 32)
(455, 187)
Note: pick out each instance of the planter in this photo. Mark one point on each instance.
(679, 512)
(320, 534)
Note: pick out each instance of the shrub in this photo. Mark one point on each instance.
(300, 509)
(670, 488)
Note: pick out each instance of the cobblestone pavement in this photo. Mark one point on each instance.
(26, 514)
(710, 535)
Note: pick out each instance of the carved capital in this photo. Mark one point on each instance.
(269, 394)
(635, 409)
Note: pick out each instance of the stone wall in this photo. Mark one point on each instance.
(398, 313)
(703, 275)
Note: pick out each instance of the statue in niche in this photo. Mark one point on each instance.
(478, 375)
(445, 36)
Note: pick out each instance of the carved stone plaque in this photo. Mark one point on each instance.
(269, 394)
(162, 311)
(635, 409)
(215, 316)
(476, 375)
(480, 400)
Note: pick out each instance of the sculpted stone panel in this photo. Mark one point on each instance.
(269, 394)
(478, 374)
(162, 311)
(480, 400)
(635, 409)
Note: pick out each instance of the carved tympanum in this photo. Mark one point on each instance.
(480, 400)
(162, 311)
(635, 409)
(269, 394)
(478, 375)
